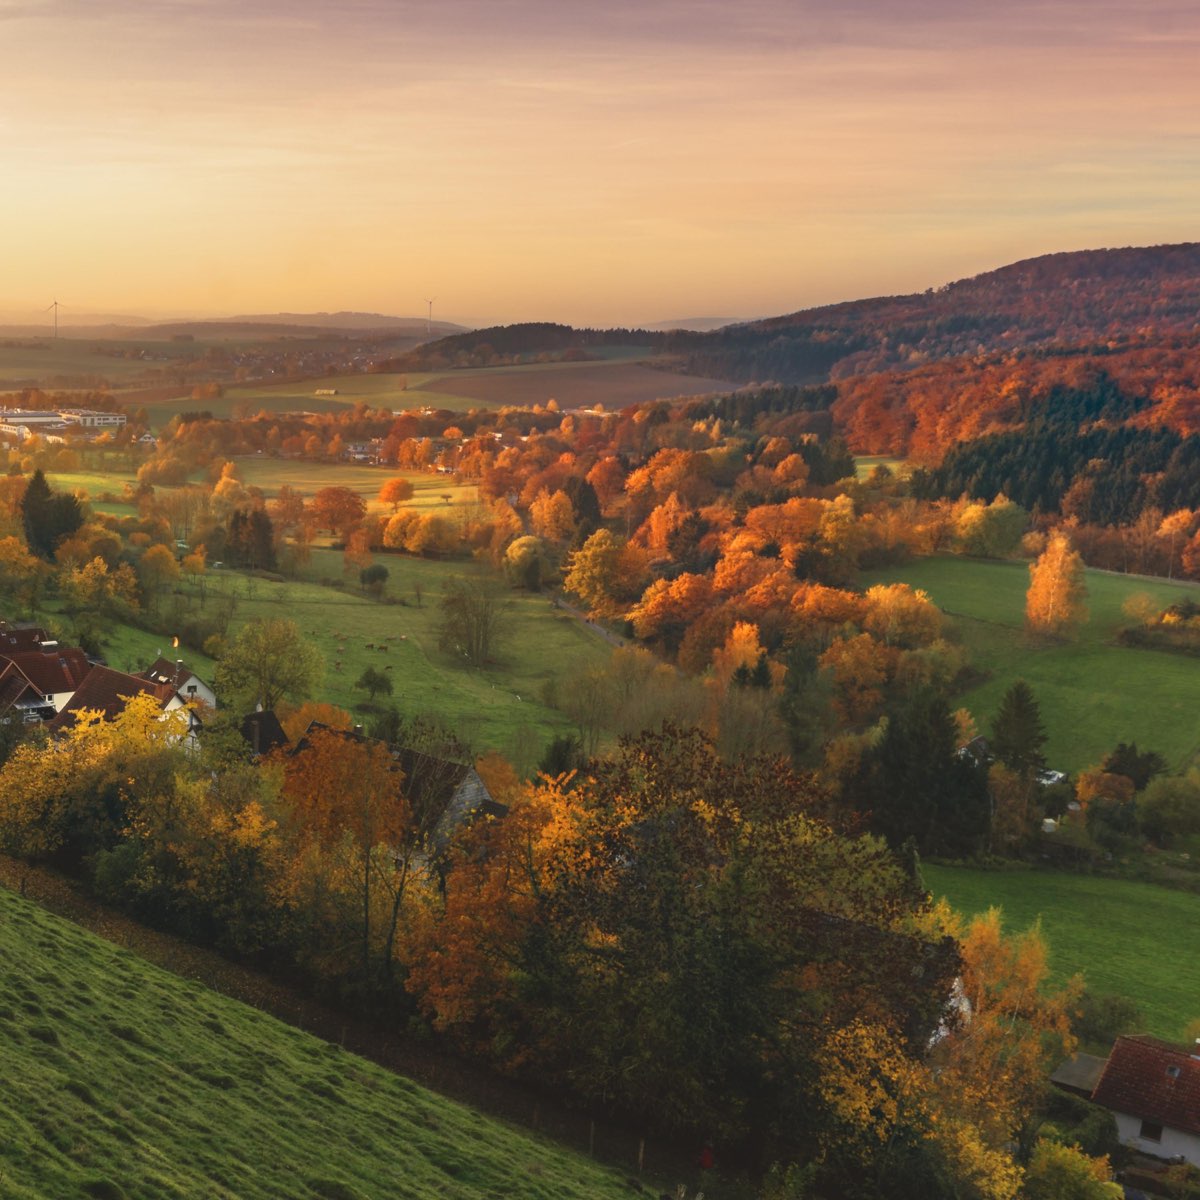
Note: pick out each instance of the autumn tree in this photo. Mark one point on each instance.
(157, 570)
(337, 509)
(269, 661)
(1056, 602)
(672, 933)
(346, 803)
(395, 492)
(607, 573)
(553, 516)
(22, 575)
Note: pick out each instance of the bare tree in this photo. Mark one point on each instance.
(473, 620)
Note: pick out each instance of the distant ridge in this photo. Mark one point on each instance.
(697, 324)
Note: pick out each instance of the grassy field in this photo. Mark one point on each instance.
(122, 1080)
(1129, 938)
(1093, 692)
(614, 383)
(498, 707)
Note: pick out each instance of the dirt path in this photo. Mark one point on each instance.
(613, 639)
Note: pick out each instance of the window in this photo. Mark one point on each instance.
(191, 689)
(1150, 1132)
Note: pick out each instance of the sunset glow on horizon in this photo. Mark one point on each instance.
(616, 164)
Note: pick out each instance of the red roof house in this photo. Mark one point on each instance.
(1153, 1090)
(107, 690)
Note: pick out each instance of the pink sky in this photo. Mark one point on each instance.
(603, 164)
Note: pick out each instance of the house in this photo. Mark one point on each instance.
(107, 691)
(263, 732)
(445, 794)
(55, 671)
(189, 687)
(1153, 1089)
(19, 698)
(977, 751)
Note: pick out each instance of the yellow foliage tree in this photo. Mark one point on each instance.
(1056, 602)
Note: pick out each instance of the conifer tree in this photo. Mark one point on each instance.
(1017, 731)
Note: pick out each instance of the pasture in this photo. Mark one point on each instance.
(122, 1079)
(498, 707)
(1124, 937)
(1093, 692)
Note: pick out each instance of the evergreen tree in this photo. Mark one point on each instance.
(48, 516)
(913, 785)
(1135, 764)
(1017, 731)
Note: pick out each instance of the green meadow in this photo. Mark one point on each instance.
(1124, 937)
(498, 707)
(1092, 691)
(124, 1081)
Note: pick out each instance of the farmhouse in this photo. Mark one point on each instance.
(1153, 1090)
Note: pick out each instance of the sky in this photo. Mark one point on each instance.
(597, 163)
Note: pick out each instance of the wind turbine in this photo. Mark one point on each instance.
(429, 318)
(55, 307)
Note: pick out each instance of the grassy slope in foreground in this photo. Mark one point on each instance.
(1131, 938)
(1093, 692)
(117, 1071)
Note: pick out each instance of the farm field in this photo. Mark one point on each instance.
(1124, 937)
(44, 359)
(378, 391)
(122, 1079)
(308, 478)
(614, 383)
(1093, 692)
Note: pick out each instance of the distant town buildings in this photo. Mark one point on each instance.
(54, 425)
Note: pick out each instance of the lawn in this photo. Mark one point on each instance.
(1093, 692)
(122, 1080)
(1129, 938)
